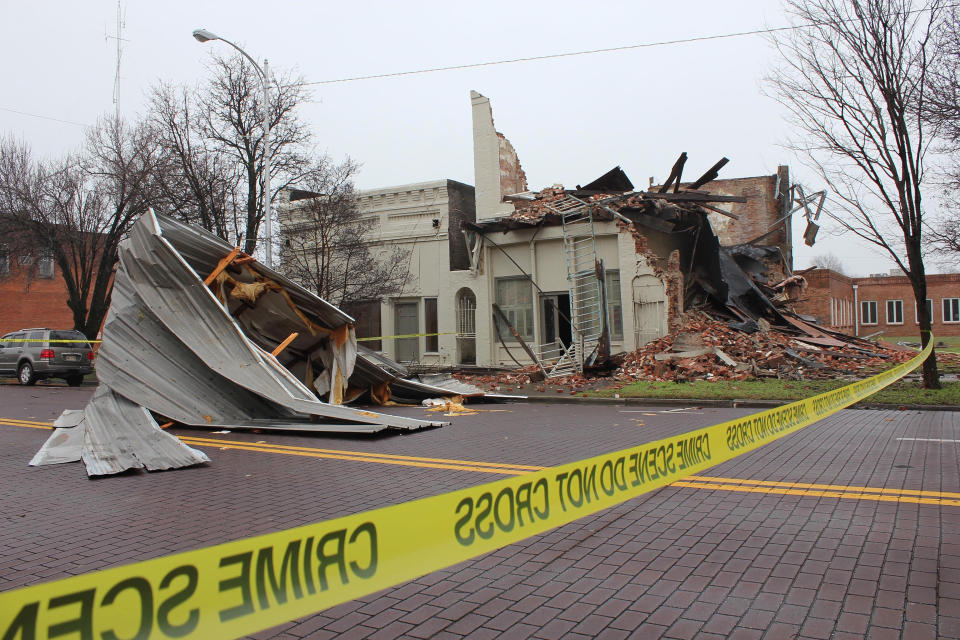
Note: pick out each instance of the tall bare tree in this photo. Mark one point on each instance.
(855, 78)
(328, 247)
(942, 112)
(79, 208)
(231, 121)
(195, 183)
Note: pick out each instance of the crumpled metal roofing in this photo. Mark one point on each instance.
(172, 348)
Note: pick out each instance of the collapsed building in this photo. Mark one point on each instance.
(506, 276)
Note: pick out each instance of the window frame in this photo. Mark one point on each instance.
(865, 304)
(46, 267)
(955, 312)
(614, 309)
(528, 330)
(431, 343)
(898, 306)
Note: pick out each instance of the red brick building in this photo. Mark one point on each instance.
(32, 293)
(881, 302)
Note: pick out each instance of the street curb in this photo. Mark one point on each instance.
(724, 404)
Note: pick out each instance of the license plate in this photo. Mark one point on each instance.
(71, 357)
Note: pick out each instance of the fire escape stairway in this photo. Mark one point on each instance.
(586, 302)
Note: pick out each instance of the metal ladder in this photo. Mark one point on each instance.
(586, 299)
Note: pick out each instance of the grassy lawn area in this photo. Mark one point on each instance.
(773, 389)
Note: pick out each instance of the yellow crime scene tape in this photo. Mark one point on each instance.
(405, 335)
(18, 341)
(241, 587)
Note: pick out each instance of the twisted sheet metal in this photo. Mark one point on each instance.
(171, 348)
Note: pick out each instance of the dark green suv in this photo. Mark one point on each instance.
(37, 354)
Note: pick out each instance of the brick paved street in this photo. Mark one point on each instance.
(731, 555)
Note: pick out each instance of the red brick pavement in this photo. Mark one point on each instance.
(677, 563)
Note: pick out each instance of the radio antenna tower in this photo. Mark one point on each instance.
(121, 23)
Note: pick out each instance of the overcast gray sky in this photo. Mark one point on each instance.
(570, 119)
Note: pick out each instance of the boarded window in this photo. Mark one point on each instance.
(45, 264)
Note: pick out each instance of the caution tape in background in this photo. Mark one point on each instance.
(18, 341)
(405, 335)
(241, 587)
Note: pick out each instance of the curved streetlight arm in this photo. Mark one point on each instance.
(263, 75)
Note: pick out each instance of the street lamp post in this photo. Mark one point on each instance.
(202, 35)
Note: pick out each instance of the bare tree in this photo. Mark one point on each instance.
(79, 208)
(195, 183)
(855, 78)
(231, 121)
(328, 248)
(942, 112)
(946, 238)
(828, 261)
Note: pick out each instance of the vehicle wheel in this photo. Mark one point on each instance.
(75, 381)
(26, 374)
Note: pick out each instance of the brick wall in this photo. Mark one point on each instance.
(29, 301)
(761, 210)
(829, 298)
(826, 285)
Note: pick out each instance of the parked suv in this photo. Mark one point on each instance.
(37, 354)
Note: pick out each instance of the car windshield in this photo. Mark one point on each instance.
(72, 336)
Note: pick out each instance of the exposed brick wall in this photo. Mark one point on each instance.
(673, 278)
(756, 215)
(28, 301)
(825, 284)
(512, 177)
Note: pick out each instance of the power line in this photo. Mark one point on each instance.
(37, 115)
(552, 56)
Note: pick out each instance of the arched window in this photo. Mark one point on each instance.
(466, 313)
(466, 326)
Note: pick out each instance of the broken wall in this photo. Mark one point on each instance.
(657, 283)
(758, 215)
(496, 167)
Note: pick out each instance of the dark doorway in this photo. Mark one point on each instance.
(555, 316)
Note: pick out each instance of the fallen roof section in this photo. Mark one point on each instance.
(247, 348)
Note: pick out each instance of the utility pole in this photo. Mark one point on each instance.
(121, 23)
